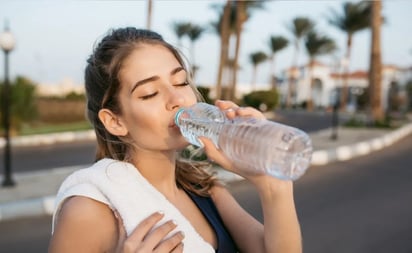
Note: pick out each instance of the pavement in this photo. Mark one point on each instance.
(34, 193)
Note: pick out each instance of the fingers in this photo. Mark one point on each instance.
(145, 226)
(172, 244)
(178, 248)
(215, 154)
(156, 238)
(232, 110)
(147, 238)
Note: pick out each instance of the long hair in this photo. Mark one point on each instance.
(102, 90)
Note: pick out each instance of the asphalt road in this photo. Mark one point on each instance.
(81, 153)
(359, 206)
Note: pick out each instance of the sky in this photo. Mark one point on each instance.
(54, 38)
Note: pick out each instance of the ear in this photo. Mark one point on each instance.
(112, 123)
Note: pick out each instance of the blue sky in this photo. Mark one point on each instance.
(54, 38)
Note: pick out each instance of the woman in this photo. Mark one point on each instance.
(139, 196)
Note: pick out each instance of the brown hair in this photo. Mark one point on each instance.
(102, 89)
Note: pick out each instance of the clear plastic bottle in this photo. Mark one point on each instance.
(255, 146)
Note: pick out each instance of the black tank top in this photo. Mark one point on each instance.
(225, 243)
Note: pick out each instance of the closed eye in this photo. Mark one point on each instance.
(148, 96)
(186, 83)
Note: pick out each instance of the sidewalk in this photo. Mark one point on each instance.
(35, 192)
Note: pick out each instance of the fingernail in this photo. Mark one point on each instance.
(161, 213)
(200, 143)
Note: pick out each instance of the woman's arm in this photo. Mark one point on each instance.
(281, 231)
(245, 230)
(84, 225)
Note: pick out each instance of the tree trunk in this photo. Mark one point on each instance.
(254, 73)
(240, 19)
(193, 61)
(375, 70)
(272, 79)
(291, 78)
(344, 90)
(310, 100)
(224, 44)
(149, 14)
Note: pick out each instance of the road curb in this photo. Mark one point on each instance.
(346, 152)
(27, 208)
(47, 139)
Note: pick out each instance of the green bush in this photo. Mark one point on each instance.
(256, 99)
(22, 102)
(75, 96)
(205, 94)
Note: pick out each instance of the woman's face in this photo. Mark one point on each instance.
(153, 87)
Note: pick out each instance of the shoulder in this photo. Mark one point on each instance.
(84, 225)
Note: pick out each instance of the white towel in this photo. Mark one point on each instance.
(120, 186)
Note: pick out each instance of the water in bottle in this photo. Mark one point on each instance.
(254, 146)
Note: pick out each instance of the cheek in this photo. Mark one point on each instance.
(191, 97)
(144, 122)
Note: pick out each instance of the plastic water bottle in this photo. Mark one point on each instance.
(254, 146)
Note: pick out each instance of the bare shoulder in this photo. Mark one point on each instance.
(84, 225)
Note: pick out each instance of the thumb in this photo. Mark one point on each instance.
(214, 153)
(209, 147)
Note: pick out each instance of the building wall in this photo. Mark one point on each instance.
(331, 81)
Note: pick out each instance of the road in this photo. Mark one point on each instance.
(359, 206)
(80, 153)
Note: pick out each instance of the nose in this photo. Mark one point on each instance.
(175, 99)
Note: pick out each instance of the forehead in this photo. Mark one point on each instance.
(149, 58)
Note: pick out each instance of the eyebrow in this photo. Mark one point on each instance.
(154, 78)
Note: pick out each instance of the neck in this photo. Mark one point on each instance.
(159, 170)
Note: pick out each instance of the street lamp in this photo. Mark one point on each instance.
(335, 115)
(7, 43)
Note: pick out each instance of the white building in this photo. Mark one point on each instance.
(328, 81)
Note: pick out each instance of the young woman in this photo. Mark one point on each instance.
(140, 196)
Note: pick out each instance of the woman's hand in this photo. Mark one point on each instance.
(215, 154)
(146, 238)
(232, 111)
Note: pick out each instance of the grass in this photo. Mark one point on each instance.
(45, 128)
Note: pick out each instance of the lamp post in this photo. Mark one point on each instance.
(335, 115)
(7, 43)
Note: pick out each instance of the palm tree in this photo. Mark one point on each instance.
(149, 14)
(299, 27)
(316, 45)
(243, 11)
(181, 29)
(256, 58)
(194, 33)
(222, 27)
(375, 70)
(276, 44)
(354, 17)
